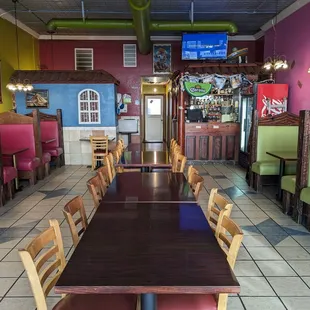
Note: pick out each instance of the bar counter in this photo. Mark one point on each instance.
(212, 141)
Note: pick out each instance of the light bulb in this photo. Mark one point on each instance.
(25, 88)
(10, 86)
(19, 86)
(29, 87)
(285, 65)
(13, 88)
(155, 90)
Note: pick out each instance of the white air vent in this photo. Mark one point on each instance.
(84, 59)
(130, 55)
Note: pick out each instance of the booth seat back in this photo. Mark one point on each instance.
(49, 130)
(18, 136)
(275, 138)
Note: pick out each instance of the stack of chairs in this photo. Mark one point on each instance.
(177, 159)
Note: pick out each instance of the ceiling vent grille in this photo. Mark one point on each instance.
(130, 55)
(84, 59)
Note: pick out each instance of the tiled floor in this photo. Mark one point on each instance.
(273, 265)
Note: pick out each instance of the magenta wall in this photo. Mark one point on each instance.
(108, 55)
(293, 41)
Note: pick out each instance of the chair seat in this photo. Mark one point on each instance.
(28, 164)
(97, 302)
(46, 158)
(305, 195)
(9, 174)
(55, 152)
(288, 183)
(186, 302)
(272, 167)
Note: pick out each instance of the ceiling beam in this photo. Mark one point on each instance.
(10, 18)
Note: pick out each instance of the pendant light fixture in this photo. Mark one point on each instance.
(17, 84)
(275, 63)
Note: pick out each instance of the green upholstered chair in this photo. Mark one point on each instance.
(271, 139)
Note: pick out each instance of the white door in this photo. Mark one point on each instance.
(154, 118)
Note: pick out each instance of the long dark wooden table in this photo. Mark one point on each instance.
(149, 187)
(148, 249)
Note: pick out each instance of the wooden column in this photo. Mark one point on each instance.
(181, 121)
(38, 143)
(303, 162)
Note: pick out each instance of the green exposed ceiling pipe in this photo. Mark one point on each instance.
(55, 24)
(226, 26)
(141, 19)
(142, 25)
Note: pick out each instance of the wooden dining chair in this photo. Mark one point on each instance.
(99, 146)
(196, 183)
(191, 170)
(230, 235)
(96, 189)
(44, 263)
(103, 173)
(216, 204)
(73, 207)
(179, 162)
(109, 162)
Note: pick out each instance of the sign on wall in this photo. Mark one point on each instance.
(162, 58)
(197, 89)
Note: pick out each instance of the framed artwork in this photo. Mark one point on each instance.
(37, 98)
(162, 58)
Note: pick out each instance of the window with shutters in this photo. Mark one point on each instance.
(84, 59)
(130, 55)
(89, 107)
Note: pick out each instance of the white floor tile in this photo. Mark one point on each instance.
(263, 303)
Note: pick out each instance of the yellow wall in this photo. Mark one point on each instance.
(149, 89)
(28, 55)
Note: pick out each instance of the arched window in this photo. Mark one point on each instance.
(89, 107)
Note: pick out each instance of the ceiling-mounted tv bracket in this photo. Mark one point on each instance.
(191, 13)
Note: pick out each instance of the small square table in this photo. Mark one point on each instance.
(283, 156)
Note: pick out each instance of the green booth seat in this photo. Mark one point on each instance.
(305, 195)
(272, 167)
(288, 183)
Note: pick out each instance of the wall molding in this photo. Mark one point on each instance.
(10, 18)
(131, 38)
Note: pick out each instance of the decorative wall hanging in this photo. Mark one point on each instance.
(161, 58)
(126, 98)
(197, 89)
(37, 98)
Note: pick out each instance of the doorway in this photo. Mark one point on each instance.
(153, 118)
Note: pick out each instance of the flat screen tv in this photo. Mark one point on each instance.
(204, 46)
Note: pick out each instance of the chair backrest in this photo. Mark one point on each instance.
(229, 236)
(109, 162)
(42, 280)
(103, 173)
(99, 145)
(216, 204)
(190, 171)
(196, 183)
(73, 207)
(96, 189)
(121, 142)
(179, 162)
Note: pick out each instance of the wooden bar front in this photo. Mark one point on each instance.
(212, 141)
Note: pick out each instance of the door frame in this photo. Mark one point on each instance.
(143, 115)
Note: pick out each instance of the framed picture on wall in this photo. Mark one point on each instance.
(162, 58)
(37, 98)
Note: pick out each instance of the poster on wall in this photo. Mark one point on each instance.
(162, 58)
(37, 98)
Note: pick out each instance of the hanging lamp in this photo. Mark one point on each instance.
(17, 84)
(275, 63)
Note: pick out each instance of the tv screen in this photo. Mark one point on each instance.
(202, 46)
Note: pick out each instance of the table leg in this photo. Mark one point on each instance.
(15, 166)
(148, 302)
(145, 169)
(281, 173)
